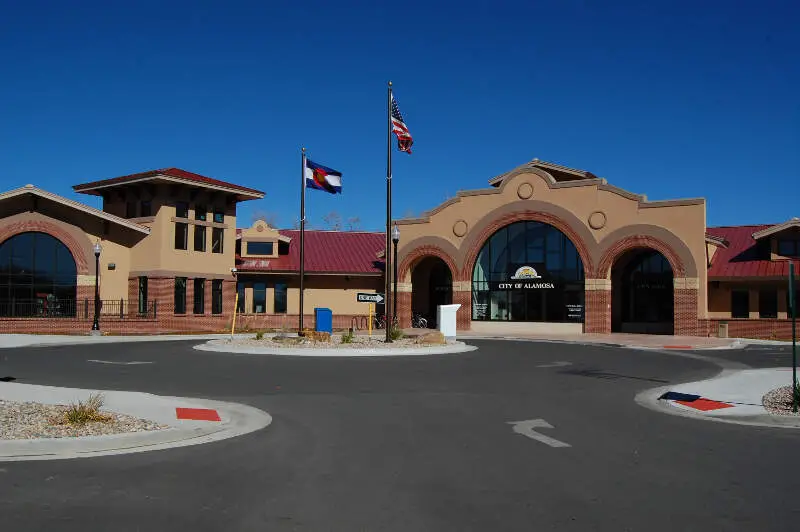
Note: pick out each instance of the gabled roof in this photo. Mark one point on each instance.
(742, 258)
(170, 175)
(33, 191)
(326, 252)
(560, 173)
(777, 228)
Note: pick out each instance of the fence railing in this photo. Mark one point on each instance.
(80, 309)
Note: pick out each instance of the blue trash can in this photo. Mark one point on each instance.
(323, 320)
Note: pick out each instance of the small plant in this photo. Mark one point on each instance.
(348, 336)
(259, 335)
(395, 332)
(83, 412)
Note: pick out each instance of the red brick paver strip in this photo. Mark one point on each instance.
(705, 404)
(198, 414)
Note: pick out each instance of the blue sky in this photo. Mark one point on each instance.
(671, 99)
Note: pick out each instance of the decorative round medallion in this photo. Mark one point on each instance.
(525, 191)
(260, 228)
(597, 220)
(460, 228)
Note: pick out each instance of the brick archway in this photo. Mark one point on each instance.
(616, 250)
(524, 216)
(419, 253)
(404, 297)
(79, 252)
(685, 290)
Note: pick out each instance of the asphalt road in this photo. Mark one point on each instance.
(413, 444)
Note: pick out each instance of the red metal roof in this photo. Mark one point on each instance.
(741, 257)
(88, 188)
(325, 252)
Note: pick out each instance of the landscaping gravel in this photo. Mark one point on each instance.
(20, 421)
(779, 401)
(359, 342)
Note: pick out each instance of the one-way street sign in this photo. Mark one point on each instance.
(362, 297)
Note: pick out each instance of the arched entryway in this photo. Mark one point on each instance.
(528, 271)
(642, 293)
(432, 285)
(38, 276)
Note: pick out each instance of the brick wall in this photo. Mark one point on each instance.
(597, 311)
(404, 309)
(767, 329)
(685, 310)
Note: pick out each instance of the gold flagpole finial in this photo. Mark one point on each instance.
(390, 83)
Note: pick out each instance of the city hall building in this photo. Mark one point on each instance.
(543, 248)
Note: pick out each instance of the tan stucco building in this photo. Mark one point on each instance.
(544, 247)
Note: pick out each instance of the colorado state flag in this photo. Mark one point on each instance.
(323, 178)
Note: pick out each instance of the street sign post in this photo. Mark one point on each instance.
(362, 297)
(793, 316)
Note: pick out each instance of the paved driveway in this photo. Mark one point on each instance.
(412, 444)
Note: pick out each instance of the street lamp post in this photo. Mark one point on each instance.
(395, 240)
(96, 324)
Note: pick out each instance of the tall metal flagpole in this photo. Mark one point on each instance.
(387, 253)
(302, 234)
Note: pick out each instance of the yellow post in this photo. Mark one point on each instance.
(235, 307)
(369, 322)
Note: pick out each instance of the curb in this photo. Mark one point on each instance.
(236, 420)
(652, 399)
(223, 347)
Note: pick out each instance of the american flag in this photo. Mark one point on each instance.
(399, 128)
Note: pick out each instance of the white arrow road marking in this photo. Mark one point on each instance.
(132, 363)
(555, 365)
(526, 429)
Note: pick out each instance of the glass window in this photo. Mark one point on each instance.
(259, 298)
(181, 209)
(240, 297)
(788, 247)
(199, 296)
(217, 234)
(280, 298)
(528, 271)
(740, 303)
(648, 289)
(219, 216)
(38, 277)
(180, 295)
(200, 212)
(199, 238)
(147, 208)
(216, 296)
(130, 209)
(259, 248)
(142, 295)
(768, 303)
(181, 235)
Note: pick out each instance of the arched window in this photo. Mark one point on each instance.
(38, 276)
(528, 271)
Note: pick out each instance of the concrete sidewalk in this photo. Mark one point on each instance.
(229, 420)
(34, 340)
(733, 396)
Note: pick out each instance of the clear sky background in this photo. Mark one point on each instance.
(672, 99)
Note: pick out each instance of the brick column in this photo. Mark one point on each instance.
(189, 296)
(685, 307)
(404, 304)
(463, 295)
(597, 306)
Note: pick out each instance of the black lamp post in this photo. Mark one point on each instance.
(96, 324)
(395, 240)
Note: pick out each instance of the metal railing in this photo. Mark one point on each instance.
(81, 309)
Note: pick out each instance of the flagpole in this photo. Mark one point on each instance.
(302, 234)
(387, 253)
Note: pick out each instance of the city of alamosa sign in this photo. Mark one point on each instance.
(525, 278)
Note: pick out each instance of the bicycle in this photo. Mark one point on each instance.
(418, 322)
